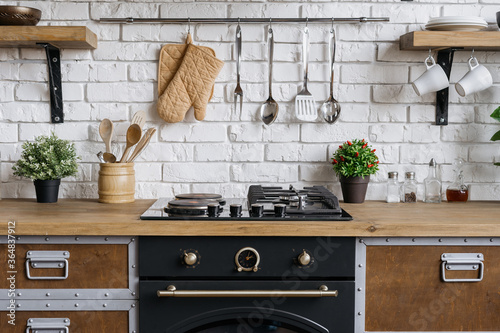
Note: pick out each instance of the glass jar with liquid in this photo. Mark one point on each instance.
(458, 191)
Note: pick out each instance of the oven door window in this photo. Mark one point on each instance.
(268, 326)
(248, 320)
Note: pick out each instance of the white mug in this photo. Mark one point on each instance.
(433, 79)
(478, 78)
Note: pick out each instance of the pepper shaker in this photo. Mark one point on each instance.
(409, 188)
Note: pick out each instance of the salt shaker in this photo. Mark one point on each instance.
(393, 187)
(410, 188)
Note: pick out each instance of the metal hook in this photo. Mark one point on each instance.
(332, 30)
(430, 53)
(472, 54)
(307, 21)
(270, 23)
(189, 25)
(238, 21)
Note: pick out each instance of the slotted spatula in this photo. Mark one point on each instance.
(305, 108)
(139, 118)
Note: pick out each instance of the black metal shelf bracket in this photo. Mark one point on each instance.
(55, 85)
(445, 60)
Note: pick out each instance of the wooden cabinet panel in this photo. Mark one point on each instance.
(405, 292)
(90, 266)
(80, 321)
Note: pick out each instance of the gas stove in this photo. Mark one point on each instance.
(262, 203)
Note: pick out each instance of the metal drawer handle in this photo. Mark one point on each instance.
(173, 292)
(47, 324)
(47, 259)
(462, 262)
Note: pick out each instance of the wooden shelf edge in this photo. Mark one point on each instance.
(436, 40)
(71, 37)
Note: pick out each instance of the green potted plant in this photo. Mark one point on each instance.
(496, 136)
(354, 161)
(46, 161)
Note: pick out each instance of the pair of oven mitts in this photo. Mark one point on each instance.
(186, 76)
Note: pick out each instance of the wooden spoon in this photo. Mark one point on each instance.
(134, 134)
(109, 158)
(142, 144)
(106, 132)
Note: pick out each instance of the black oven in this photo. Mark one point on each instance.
(246, 284)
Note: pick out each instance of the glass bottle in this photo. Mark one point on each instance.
(410, 187)
(393, 187)
(432, 184)
(458, 191)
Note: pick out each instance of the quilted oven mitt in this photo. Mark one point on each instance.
(191, 85)
(170, 59)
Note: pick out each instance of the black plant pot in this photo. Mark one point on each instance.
(47, 190)
(354, 188)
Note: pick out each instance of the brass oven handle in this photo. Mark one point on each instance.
(321, 292)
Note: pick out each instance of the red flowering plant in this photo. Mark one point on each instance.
(355, 159)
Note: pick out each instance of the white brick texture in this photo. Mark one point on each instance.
(232, 148)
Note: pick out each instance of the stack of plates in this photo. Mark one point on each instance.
(456, 23)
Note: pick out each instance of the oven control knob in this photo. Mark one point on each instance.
(190, 258)
(304, 258)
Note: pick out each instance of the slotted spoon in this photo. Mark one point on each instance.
(305, 108)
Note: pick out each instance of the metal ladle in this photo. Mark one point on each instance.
(330, 109)
(269, 109)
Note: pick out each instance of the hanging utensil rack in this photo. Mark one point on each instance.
(188, 20)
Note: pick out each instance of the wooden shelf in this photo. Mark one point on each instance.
(67, 37)
(436, 40)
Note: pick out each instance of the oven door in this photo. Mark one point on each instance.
(246, 306)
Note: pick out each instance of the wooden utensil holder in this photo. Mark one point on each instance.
(116, 182)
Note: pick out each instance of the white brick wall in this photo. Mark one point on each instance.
(230, 149)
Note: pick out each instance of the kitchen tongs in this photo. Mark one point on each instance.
(238, 92)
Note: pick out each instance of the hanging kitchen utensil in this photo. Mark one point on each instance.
(330, 109)
(134, 134)
(269, 109)
(305, 108)
(139, 118)
(238, 92)
(106, 128)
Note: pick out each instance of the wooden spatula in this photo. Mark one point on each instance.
(142, 144)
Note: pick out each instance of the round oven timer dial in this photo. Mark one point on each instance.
(247, 259)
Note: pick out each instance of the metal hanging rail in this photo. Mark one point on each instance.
(131, 20)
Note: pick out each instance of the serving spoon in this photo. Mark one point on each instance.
(269, 109)
(330, 109)
(134, 134)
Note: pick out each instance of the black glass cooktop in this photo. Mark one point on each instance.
(158, 212)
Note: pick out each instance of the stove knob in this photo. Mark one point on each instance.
(257, 210)
(304, 258)
(190, 258)
(235, 210)
(279, 210)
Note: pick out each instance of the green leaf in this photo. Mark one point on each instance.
(495, 136)
(496, 114)
(498, 163)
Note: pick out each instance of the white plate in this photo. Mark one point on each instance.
(468, 19)
(457, 27)
(455, 24)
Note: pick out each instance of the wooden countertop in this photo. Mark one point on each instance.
(371, 219)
